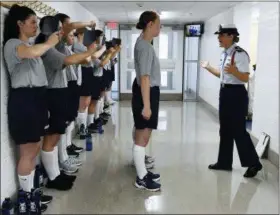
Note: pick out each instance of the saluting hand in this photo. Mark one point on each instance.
(232, 69)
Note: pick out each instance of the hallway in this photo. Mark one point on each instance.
(184, 145)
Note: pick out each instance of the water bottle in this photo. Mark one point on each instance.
(89, 143)
(35, 202)
(100, 129)
(7, 207)
(22, 203)
(39, 177)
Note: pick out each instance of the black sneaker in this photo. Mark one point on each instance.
(72, 153)
(59, 183)
(147, 183)
(82, 132)
(105, 116)
(44, 207)
(71, 178)
(153, 176)
(75, 148)
(45, 199)
(93, 128)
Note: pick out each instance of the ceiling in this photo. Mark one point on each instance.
(171, 12)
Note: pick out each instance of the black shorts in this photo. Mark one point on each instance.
(27, 114)
(113, 73)
(87, 79)
(106, 80)
(73, 100)
(96, 87)
(137, 107)
(57, 106)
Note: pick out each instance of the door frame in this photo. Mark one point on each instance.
(198, 71)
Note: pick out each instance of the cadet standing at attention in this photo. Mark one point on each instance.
(233, 105)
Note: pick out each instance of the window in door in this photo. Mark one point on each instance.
(163, 46)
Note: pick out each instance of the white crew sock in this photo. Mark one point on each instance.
(50, 162)
(69, 130)
(32, 178)
(25, 182)
(62, 152)
(57, 170)
(106, 97)
(90, 118)
(139, 161)
(101, 105)
(82, 118)
(97, 110)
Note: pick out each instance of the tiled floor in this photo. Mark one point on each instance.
(184, 145)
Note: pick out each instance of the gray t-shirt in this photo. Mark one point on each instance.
(70, 70)
(54, 64)
(146, 62)
(79, 48)
(28, 72)
(77, 68)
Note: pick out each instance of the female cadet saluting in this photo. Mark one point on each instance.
(233, 107)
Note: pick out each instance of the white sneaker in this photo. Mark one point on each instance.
(68, 167)
(111, 102)
(149, 159)
(75, 161)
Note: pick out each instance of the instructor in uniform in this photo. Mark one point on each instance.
(233, 106)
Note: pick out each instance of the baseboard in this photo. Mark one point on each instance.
(163, 96)
(269, 154)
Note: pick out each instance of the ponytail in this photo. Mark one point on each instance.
(11, 28)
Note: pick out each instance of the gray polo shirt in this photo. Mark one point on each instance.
(70, 70)
(55, 69)
(79, 48)
(146, 62)
(23, 72)
(241, 60)
(77, 68)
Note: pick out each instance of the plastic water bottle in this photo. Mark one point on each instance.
(39, 177)
(7, 207)
(22, 203)
(100, 129)
(89, 143)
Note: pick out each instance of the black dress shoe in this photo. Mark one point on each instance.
(217, 166)
(253, 171)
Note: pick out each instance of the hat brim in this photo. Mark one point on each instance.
(225, 31)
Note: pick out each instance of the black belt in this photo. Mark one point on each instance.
(232, 85)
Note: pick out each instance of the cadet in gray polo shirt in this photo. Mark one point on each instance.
(145, 97)
(55, 63)
(27, 108)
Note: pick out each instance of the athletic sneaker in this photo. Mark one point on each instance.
(75, 161)
(75, 148)
(45, 199)
(149, 159)
(147, 183)
(93, 128)
(68, 166)
(72, 153)
(82, 132)
(59, 183)
(153, 176)
(71, 178)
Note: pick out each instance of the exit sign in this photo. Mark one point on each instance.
(112, 25)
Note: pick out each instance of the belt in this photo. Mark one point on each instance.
(223, 85)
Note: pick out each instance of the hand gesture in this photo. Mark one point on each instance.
(229, 68)
(146, 113)
(204, 64)
(92, 24)
(53, 38)
(92, 46)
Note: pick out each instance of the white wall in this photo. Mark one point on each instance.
(266, 103)
(245, 17)
(8, 149)
(210, 51)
